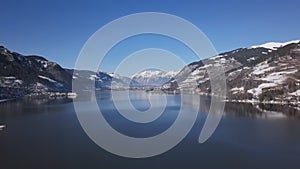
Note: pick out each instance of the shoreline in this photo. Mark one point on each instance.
(226, 100)
(71, 95)
(50, 95)
(264, 102)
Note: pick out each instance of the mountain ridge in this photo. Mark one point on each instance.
(252, 74)
(153, 77)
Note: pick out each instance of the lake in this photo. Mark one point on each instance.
(47, 134)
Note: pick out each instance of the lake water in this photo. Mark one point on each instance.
(47, 134)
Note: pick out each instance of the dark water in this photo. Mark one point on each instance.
(46, 134)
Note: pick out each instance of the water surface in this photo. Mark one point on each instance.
(47, 134)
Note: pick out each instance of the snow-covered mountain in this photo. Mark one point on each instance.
(268, 72)
(25, 75)
(102, 80)
(262, 73)
(21, 75)
(153, 77)
(123, 81)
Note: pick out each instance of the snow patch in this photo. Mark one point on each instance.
(278, 77)
(252, 58)
(198, 72)
(274, 45)
(19, 81)
(238, 89)
(52, 81)
(10, 77)
(234, 72)
(296, 93)
(258, 90)
(43, 63)
(262, 68)
(46, 78)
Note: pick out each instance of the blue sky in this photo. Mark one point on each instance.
(57, 30)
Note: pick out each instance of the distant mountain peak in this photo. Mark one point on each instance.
(153, 77)
(149, 73)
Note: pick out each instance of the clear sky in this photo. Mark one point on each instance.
(57, 29)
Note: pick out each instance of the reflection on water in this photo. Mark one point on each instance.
(140, 100)
(261, 110)
(46, 134)
(28, 106)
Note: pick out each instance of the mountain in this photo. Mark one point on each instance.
(262, 73)
(101, 80)
(268, 72)
(30, 75)
(21, 75)
(153, 77)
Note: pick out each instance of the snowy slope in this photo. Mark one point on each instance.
(195, 74)
(275, 45)
(255, 73)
